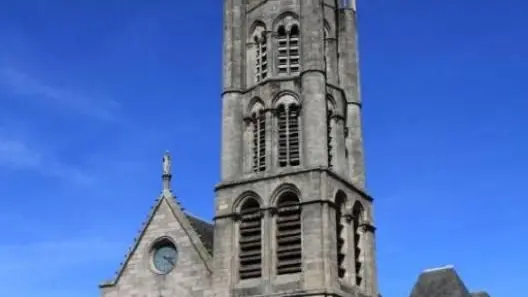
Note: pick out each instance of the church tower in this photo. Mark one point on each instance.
(292, 215)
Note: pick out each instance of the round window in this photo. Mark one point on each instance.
(164, 256)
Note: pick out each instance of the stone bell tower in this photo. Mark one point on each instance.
(292, 212)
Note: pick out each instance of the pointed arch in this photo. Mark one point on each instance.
(358, 211)
(288, 232)
(257, 28)
(255, 104)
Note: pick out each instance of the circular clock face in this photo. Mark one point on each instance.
(165, 258)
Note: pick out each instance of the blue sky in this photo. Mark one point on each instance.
(93, 92)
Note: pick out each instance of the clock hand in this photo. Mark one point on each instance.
(170, 259)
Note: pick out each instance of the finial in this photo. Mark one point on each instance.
(167, 174)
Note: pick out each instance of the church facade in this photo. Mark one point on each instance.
(292, 215)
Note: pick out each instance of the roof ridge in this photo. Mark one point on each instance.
(197, 217)
(445, 267)
(135, 241)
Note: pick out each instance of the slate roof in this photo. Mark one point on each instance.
(442, 282)
(205, 231)
(480, 294)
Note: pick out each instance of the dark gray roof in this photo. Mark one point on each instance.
(480, 294)
(204, 229)
(439, 282)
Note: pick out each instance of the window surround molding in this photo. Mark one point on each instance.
(258, 47)
(286, 21)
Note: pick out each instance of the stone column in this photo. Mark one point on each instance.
(369, 259)
(269, 247)
(349, 81)
(233, 75)
(313, 85)
(247, 145)
(224, 275)
(314, 270)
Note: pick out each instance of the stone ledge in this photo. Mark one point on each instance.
(233, 183)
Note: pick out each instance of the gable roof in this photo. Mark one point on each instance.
(199, 231)
(439, 282)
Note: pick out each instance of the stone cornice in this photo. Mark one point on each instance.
(273, 210)
(263, 177)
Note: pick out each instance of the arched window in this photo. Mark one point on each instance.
(250, 240)
(357, 218)
(288, 232)
(261, 56)
(340, 234)
(257, 53)
(288, 134)
(288, 55)
(258, 119)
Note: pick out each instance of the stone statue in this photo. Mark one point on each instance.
(166, 163)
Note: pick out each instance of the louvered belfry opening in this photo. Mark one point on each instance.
(289, 244)
(288, 53)
(288, 134)
(357, 213)
(250, 240)
(261, 58)
(259, 141)
(340, 235)
(329, 137)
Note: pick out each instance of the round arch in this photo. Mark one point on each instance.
(287, 19)
(284, 189)
(246, 196)
(287, 97)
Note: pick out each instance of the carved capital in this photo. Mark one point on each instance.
(270, 110)
(248, 120)
(337, 117)
(367, 227)
(348, 217)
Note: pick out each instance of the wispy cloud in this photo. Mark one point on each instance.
(16, 154)
(58, 97)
